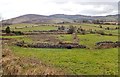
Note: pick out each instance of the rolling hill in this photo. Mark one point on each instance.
(57, 18)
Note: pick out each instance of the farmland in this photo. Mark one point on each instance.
(75, 61)
(30, 27)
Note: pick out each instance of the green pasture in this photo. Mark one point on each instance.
(40, 27)
(11, 37)
(19, 38)
(75, 61)
(72, 61)
(30, 27)
(88, 39)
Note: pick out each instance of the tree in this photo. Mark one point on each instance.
(7, 30)
(71, 30)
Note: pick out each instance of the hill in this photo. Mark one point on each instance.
(57, 18)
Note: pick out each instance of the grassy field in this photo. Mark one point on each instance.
(19, 38)
(14, 37)
(89, 39)
(75, 61)
(30, 27)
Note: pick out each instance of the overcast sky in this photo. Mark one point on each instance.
(14, 8)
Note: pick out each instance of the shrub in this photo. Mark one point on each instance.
(61, 28)
(71, 30)
(7, 30)
(92, 32)
(69, 47)
(100, 26)
(107, 28)
(17, 32)
(81, 31)
(110, 34)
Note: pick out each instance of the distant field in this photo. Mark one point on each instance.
(89, 39)
(114, 32)
(11, 37)
(30, 27)
(19, 38)
(67, 25)
(75, 61)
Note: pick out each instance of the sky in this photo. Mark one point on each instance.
(14, 8)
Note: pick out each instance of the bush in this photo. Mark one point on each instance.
(102, 33)
(107, 28)
(110, 34)
(71, 30)
(69, 47)
(7, 30)
(92, 32)
(81, 31)
(17, 32)
(61, 28)
(100, 26)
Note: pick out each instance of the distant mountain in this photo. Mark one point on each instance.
(57, 18)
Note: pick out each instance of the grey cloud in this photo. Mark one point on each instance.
(108, 9)
(84, 1)
(94, 12)
(59, 1)
(109, 6)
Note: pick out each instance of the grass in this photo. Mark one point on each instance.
(96, 27)
(30, 27)
(89, 39)
(11, 37)
(50, 27)
(75, 61)
(114, 32)
(19, 38)
(41, 28)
